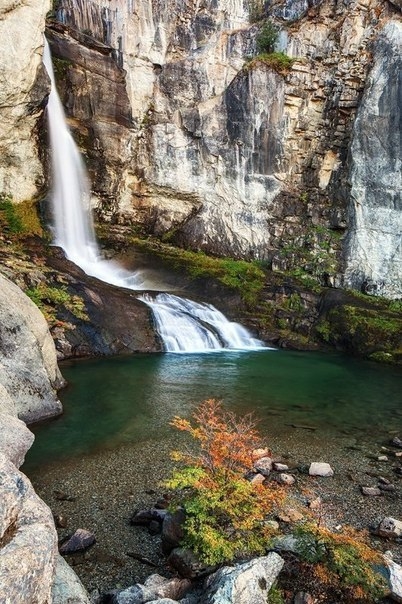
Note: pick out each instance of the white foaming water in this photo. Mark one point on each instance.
(187, 326)
(183, 325)
(73, 224)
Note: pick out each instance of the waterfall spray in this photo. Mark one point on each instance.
(183, 325)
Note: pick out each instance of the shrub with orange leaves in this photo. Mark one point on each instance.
(225, 513)
(344, 562)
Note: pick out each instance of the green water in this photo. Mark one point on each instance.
(120, 400)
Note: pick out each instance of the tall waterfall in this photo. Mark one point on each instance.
(183, 325)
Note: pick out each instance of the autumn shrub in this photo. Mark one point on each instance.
(344, 562)
(225, 513)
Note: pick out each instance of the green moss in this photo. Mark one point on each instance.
(19, 218)
(247, 278)
(60, 68)
(50, 299)
(370, 332)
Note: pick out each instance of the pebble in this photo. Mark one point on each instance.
(396, 442)
(320, 469)
(263, 465)
(382, 458)
(280, 467)
(371, 491)
(391, 528)
(80, 540)
(287, 479)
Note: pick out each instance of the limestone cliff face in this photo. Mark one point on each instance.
(23, 90)
(374, 251)
(195, 142)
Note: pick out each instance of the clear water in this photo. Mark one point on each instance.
(114, 401)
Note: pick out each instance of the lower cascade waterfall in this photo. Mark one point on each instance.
(183, 325)
(187, 326)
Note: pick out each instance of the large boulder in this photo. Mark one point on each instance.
(28, 364)
(245, 583)
(67, 588)
(28, 540)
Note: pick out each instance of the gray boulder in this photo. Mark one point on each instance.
(28, 364)
(28, 538)
(67, 588)
(247, 583)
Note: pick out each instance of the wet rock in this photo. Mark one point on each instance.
(371, 491)
(390, 488)
(389, 528)
(396, 442)
(245, 583)
(80, 540)
(263, 466)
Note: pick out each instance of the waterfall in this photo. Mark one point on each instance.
(73, 228)
(188, 326)
(183, 325)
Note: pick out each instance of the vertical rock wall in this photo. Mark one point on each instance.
(229, 155)
(23, 88)
(374, 250)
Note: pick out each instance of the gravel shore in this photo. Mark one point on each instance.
(100, 492)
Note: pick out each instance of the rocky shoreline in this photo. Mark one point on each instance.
(105, 489)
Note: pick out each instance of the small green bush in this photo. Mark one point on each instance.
(225, 512)
(267, 37)
(19, 218)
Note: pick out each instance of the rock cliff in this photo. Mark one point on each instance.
(30, 569)
(23, 89)
(190, 135)
(217, 150)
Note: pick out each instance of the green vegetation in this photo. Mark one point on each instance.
(343, 562)
(267, 37)
(278, 61)
(247, 278)
(49, 299)
(225, 512)
(227, 516)
(372, 330)
(19, 218)
(60, 68)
